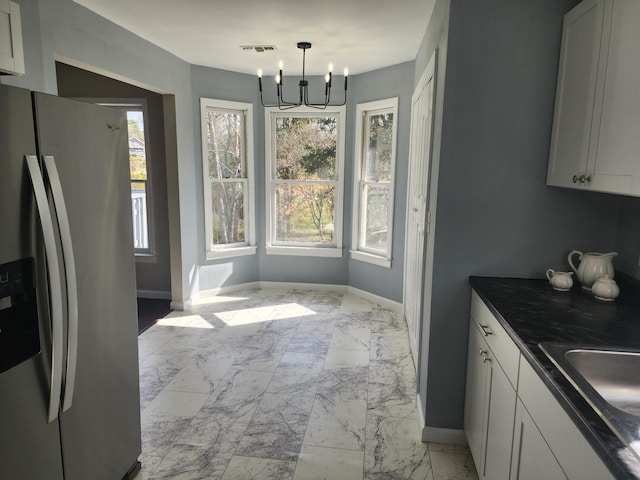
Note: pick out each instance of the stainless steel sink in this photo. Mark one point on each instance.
(609, 379)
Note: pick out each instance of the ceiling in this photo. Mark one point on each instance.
(362, 35)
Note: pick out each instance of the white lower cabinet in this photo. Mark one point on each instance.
(515, 427)
(532, 458)
(490, 400)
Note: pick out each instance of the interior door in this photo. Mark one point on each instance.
(417, 223)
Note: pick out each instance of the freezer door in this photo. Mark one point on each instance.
(100, 432)
(29, 445)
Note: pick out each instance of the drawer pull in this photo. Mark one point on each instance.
(485, 330)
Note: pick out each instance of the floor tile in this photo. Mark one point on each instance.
(319, 463)
(453, 466)
(250, 468)
(277, 383)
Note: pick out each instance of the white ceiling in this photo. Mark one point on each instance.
(362, 35)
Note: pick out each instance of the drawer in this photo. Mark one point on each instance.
(498, 340)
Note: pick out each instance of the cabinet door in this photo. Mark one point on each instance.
(532, 458)
(476, 395)
(618, 147)
(579, 89)
(500, 419)
(11, 53)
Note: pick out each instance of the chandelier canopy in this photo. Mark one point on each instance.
(303, 99)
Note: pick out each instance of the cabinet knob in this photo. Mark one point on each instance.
(485, 330)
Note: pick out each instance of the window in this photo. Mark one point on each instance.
(227, 160)
(374, 181)
(304, 181)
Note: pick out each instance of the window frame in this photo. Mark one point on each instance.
(274, 247)
(359, 251)
(248, 247)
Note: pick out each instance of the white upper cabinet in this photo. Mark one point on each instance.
(11, 51)
(595, 143)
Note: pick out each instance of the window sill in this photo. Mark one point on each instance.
(305, 251)
(146, 258)
(370, 258)
(231, 252)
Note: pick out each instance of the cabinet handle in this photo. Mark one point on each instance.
(483, 352)
(485, 330)
(486, 359)
(575, 179)
(581, 179)
(587, 179)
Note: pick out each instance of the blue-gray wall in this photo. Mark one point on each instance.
(495, 216)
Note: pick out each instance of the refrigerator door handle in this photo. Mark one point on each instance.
(55, 288)
(72, 284)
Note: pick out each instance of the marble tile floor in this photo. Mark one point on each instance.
(285, 384)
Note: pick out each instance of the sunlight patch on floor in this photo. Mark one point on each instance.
(189, 321)
(263, 314)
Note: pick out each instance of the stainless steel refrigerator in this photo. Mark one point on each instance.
(69, 392)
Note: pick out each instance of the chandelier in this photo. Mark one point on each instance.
(304, 87)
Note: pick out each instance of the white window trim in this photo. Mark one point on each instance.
(238, 249)
(357, 251)
(302, 250)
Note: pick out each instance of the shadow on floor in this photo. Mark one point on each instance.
(150, 310)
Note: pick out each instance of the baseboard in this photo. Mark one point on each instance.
(203, 295)
(154, 294)
(385, 302)
(443, 435)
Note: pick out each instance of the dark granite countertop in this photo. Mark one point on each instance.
(532, 312)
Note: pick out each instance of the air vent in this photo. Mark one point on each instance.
(258, 48)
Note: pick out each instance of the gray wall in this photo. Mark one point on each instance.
(628, 237)
(152, 276)
(396, 81)
(62, 29)
(495, 215)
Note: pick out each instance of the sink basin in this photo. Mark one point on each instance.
(614, 375)
(609, 380)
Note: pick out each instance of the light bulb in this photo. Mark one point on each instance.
(277, 78)
(326, 78)
(280, 65)
(259, 73)
(346, 72)
(331, 67)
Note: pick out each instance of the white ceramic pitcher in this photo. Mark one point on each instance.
(592, 267)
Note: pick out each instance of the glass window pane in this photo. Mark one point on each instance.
(227, 201)
(376, 205)
(139, 213)
(304, 213)
(306, 148)
(378, 148)
(137, 151)
(224, 144)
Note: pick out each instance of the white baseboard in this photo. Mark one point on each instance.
(450, 436)
(202, 296)
(155, 294)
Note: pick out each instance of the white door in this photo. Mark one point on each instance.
(417, 221)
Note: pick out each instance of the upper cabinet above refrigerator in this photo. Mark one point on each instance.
(11, 51)
(595, 143)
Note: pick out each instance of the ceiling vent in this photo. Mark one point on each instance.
(258, 48)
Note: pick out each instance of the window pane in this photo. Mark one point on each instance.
(137, 152)
(227, 201)
(376, 205)
(304, 213)
(306, 148)
(139, 211)
(378, 150)
(224, 144)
